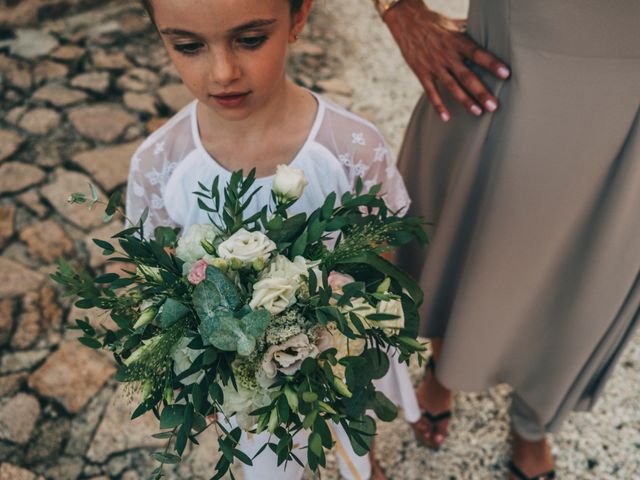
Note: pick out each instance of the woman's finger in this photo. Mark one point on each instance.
(476, 88)
(436, 100)
(449, 82)
(484, 59)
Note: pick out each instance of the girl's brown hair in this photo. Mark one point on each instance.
(296, 5)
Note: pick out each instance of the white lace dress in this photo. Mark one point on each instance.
(340, 147)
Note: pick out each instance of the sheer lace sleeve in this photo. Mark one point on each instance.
(363, 152)
(144, 190)
(151, 167)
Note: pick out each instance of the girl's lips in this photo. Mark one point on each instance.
(231, 100)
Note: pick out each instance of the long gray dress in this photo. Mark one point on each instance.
(532, 276)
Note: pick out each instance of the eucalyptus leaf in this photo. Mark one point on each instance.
(215, 292)
(171, 312)
(226, 332)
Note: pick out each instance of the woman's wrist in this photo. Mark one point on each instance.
(384, 6)
(389, 9)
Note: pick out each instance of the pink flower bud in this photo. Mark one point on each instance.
(198, 272)
(338, 280)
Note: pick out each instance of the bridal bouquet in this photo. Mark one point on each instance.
(271, 322)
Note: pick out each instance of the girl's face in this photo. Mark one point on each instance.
(229, 53)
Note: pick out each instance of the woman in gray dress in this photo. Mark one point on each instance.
(532, 277)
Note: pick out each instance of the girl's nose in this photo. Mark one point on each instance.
(224, 68)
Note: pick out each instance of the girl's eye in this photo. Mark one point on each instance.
(252, 43)
(188, 48)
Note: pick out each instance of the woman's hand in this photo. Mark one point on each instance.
(436, 48)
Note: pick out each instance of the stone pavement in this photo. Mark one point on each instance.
(79, 93)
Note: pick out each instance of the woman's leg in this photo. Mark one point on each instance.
(435, 398)
(530, 450)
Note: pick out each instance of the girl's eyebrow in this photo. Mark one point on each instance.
(240, 28)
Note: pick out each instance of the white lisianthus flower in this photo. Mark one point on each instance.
(183, 358)
(331, 337)
(362, 309)
(281, 266)
(391, 307)
(275, 294)
(243, 401)
(288, 356)
(246, 247)
(289, 183)
(190, 248)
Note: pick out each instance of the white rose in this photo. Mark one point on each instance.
(279, 282)
(288, 356)
(275, 294)
(247, 247)
(391, 307)
(183, 358)
(190, 248)
(289, 182)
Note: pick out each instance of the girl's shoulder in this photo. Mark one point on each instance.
(172, 141)
(348, 135)
(340, 116)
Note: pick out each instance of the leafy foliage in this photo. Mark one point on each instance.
(157, 310)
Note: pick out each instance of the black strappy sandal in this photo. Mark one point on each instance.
(520, 475)
(430, 417)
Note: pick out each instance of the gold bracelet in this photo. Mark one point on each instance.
(384, 6)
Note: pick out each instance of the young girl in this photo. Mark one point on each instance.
(231, 55)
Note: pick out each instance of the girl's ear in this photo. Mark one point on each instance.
(300, 20)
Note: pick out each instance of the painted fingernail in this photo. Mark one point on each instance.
(491, 105)
(476, 110)
(503, 72)
(445, 116)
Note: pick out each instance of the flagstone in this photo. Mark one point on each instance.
(59, 95)
(16, 279)
(72, 375)
(18, 418)
(57, 193)
(47, 241)
(9, 143)
(16, 176)
(40, 121)
(175, 96)
(104, 122)
(108, 166)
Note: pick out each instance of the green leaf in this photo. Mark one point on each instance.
(243, 457)
(166, 236)
(163, 435)
(377, 361)
(90, 342)
(196, 396)
(412, 343)
(181, 439)
(390, 270)
(171, 312)
(327, 207)
(106, 246)
(309, 397)
(361, 435)
(115, 201)
(172, 416)
(107, 278)
(315, 444)
(310, 419)
(299, 245)
(385, 409)
(167, 458)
